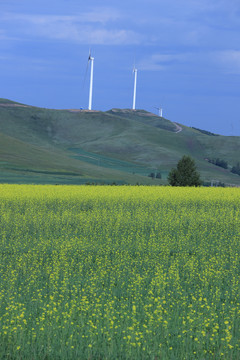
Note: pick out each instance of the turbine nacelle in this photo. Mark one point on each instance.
(90, 56)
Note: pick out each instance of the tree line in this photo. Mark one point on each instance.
(224, 164)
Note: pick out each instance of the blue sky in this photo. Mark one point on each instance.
(187, 53)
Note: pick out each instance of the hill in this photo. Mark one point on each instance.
(40, 145)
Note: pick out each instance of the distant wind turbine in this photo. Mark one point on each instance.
(91, 60)
(160, 111)
(135, 87)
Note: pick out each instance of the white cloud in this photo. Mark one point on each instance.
(228, 60)
(3, 35)
(107, 37)
(87, 28)
(97, 16)
(90, 35)
(158, 62)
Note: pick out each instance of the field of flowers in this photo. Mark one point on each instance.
(100, 272)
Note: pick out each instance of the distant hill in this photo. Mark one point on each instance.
(124, 146)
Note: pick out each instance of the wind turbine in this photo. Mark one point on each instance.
(91, 60)
(160, 111)
(135, 87)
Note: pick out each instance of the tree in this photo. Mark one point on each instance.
(152, 175)
(236, 169)
(185, 174)
(219, 162)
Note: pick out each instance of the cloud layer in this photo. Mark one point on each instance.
(96, 27)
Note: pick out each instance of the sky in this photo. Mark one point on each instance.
(187, 53)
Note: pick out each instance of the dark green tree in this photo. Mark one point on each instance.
(152, 175)
(185, 174)
(236, 169)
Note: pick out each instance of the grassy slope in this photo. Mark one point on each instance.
(72, 146)
(31, 163)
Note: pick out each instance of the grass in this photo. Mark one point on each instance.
(125, 273)
(42, 139)
(111, 163)
(144, 117)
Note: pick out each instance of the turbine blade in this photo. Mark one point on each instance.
(86, 71)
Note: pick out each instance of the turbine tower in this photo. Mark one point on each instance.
(135, 88)
(91, 59)
(160, 111)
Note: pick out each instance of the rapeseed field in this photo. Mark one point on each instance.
(100, 272)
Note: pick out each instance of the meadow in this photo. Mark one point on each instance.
(119, 272)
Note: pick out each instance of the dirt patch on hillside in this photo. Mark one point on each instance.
(178, 127)
(13, 105)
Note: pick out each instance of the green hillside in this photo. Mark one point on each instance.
(124, 146)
